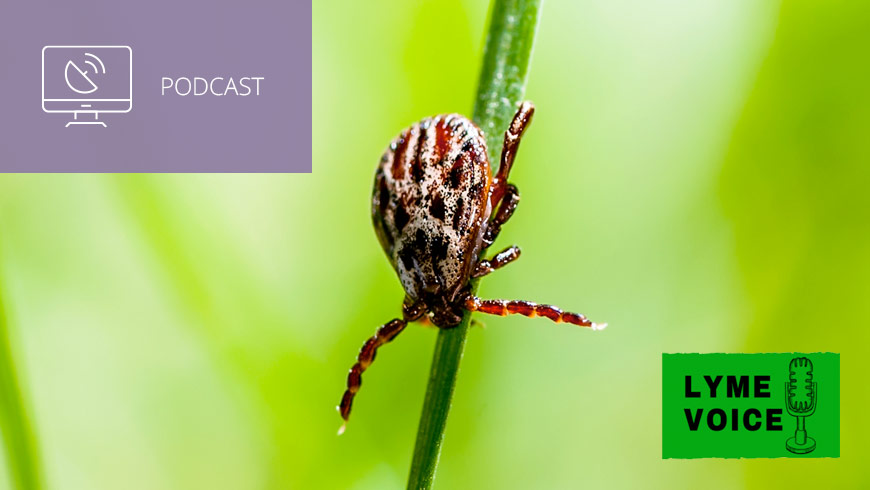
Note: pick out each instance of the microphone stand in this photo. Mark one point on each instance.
(801, 443)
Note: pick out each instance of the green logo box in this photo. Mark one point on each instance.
(784, 405)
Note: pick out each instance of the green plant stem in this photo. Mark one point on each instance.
(508, 50)
(14, 422)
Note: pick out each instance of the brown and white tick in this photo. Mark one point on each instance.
(435, 208)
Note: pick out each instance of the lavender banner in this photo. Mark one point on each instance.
(158, 86)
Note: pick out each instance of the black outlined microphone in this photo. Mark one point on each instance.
(801, 394)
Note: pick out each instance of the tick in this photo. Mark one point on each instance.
(435, 208)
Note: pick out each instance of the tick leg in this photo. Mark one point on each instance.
(512, 139)
(506, 208)
(500, 260)
(384, 334)
(502, 307)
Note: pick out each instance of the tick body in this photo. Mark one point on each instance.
(435, 208)
(429, 207)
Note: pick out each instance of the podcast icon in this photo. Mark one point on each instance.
(801, 395)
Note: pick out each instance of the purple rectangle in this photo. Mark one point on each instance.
(107, 63)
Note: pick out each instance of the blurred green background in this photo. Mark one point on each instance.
(696, 175)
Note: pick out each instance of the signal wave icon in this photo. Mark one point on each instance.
(83, 74)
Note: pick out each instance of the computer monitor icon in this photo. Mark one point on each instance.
(87, 80)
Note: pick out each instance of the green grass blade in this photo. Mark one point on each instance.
(512, 28)
(506, 59)
(15, 424)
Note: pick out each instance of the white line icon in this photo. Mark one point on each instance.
(84, 74)
(87, 79)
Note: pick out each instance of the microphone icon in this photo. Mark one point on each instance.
(801, 394)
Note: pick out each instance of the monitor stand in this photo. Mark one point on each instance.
(89, 123)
